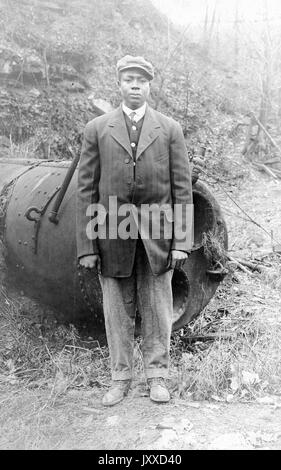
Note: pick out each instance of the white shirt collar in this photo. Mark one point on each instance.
(140, 112)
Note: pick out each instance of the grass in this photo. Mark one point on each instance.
(38, 351)
(237, 352)
(52, 378)
(231, 352)
(244, 367)
(272, 276)
(23, 150)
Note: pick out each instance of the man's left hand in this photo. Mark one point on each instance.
(177, 259)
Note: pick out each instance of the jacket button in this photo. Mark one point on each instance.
(126, 160)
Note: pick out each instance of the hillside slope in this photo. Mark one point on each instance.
(56, 58)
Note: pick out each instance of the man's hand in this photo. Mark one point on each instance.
(177, 259)
(91, 262)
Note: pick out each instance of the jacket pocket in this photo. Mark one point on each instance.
(162, 156)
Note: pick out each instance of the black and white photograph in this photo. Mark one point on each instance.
(140, 227)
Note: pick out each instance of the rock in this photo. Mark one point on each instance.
(166, 423)
(258, 438)
(229, 397)
(212, 406)
(34, 93)
(168, 436)
(100, 105)
(112, 420)
(230, 441)
(183, 425)
(172, 430)
(88, 421)
(268, 400)
(72, 86)
(192, 404)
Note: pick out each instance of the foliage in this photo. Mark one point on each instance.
(54, 55)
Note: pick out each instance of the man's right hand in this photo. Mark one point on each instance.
(91, 262)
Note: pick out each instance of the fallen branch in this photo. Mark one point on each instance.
(263, 167)
(277, 172)
(239, 265)
(267, 134)
(272, 160)
(266, 253)
(252, 266)
(209, 337)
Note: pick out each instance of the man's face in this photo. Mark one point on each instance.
(134, 87)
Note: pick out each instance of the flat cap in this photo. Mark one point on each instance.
(130, 62)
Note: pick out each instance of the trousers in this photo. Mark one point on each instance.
(152, 296)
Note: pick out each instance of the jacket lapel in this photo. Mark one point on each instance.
(148, 134)
(149, 131)
(119, 130)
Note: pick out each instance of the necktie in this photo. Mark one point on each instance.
(132, 116)
(133, 134)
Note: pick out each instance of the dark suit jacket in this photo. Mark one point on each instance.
(161, 176)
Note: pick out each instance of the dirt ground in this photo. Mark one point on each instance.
(77, 419)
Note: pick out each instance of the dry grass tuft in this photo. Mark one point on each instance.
(272, 275)
(27, 149)
(213, 245)
(231, 353)
(37, 354)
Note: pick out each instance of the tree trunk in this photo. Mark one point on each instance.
(236, 36)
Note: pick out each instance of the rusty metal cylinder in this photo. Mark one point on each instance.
(42, 255)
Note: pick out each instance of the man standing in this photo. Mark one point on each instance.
(137, 157)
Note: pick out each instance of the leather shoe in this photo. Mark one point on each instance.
(118, 390)
(158, 390)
